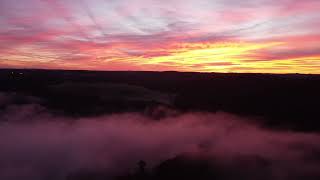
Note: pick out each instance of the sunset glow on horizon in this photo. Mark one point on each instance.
(260, 36)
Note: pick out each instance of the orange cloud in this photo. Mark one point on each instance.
(222, 36)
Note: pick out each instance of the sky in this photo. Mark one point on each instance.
(260, 36)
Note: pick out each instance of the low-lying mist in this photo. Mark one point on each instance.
(36, 145)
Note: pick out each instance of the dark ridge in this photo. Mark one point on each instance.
(288, 101)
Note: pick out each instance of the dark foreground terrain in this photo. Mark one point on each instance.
(281, 101)
(88, 125)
